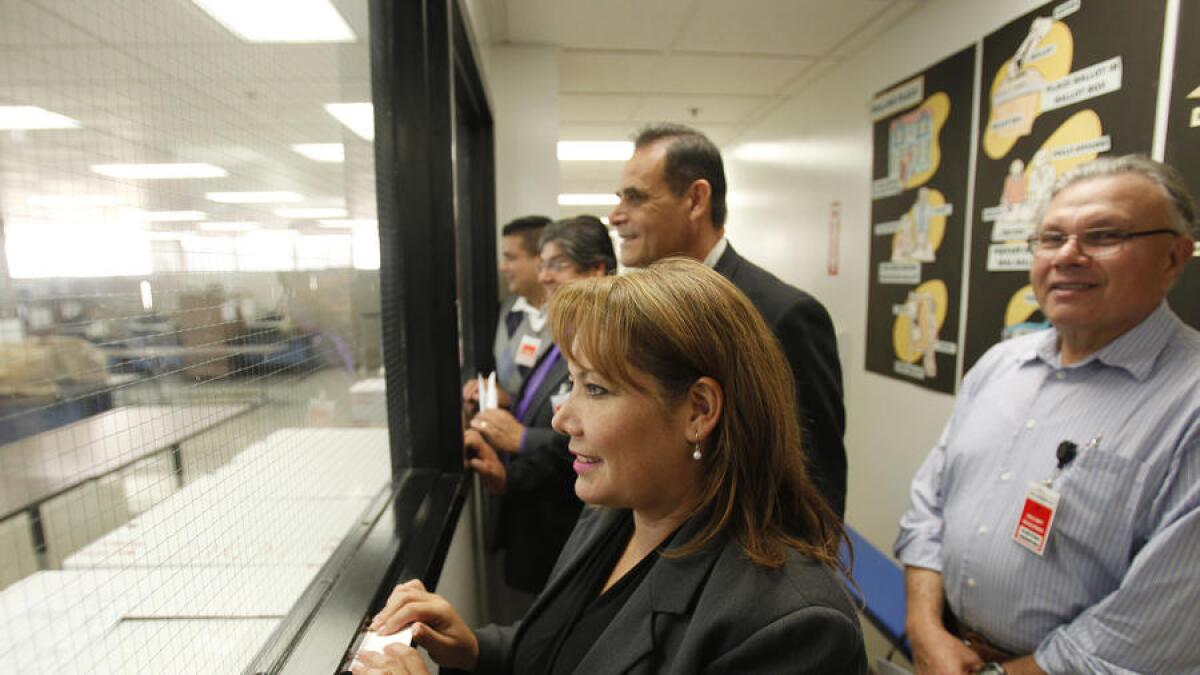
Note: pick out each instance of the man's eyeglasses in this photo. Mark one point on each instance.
(1097, 243)
(559, 263)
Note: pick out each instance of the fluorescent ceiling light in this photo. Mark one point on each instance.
(585, 199)
(358, 117)
(253, 197)
(347, 223)
(74, 200)
(159, 171)
(322, 152)
(580, 151)
(313, 213)
(173, 216)
(279, 20)
(168, 236)
(24, 117)
(227, 226)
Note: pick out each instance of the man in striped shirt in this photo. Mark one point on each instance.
(1055, 526)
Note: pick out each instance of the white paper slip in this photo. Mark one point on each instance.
(374, 642)
(493, 395)
(481, 392)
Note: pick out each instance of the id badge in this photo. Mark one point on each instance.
(527, 351)
(1037, 517)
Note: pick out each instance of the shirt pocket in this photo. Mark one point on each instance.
(1096, 519)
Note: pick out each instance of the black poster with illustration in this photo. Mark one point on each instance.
(1060, 86)
(1183, 145)
(922, 142)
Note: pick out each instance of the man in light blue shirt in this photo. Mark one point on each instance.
(1096, 421)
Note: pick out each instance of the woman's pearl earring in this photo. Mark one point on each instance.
(696, 454)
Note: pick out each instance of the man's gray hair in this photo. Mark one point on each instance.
(1180, 204)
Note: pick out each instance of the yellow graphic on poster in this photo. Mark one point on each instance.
(1078, 140)
(1023, 315)
(914, 152)
(1016, 93)
(921, 229)
(915, 332)
(1195, 119)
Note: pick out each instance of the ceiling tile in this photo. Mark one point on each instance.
(699, 109)
(709, 74)
(607, 72)
(597, 24)
(26, 24)
(596, 108)
(784, 27)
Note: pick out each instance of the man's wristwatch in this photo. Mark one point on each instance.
(991, 668)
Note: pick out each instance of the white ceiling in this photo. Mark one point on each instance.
(155, 81)
(719, 65)
(160, 81)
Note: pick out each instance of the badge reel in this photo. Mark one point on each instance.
(1041, 502)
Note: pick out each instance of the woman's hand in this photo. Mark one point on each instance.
(395, 660)
(501, 430)
(482, 459)
(435, 626)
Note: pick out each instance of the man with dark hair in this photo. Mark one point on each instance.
(1055, 525)
(522, 335)
(672, 202)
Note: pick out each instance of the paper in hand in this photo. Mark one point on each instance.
(493, 395)
(374, 642)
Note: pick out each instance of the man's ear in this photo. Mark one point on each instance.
(706, 400)
(700, 194)
(1181, 252)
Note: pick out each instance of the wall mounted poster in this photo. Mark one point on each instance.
(1061, 85)
(1183, 144)
(922, 140)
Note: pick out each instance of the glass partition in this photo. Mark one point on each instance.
(192, 404)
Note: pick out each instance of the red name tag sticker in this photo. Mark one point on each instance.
(527, 351)
(1037, 518)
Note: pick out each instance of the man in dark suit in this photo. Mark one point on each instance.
(672, 194)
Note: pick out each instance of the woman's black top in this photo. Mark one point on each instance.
(557, 639)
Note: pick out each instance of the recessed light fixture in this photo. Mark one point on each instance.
(358, 117)
(253, 197)
(347, 223)
(582, 151)
(74, 200)
(313, 213)
(322, 152)
(159, 171)
(588, 199)
(31, 117)
(279, 20)
(228, 226)
(173, 216)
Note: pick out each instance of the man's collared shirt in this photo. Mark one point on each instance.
(531, 324)
(1116, 589)
(715, 254)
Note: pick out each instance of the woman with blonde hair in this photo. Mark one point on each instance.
(711, 551)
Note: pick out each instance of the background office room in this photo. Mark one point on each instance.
(250, 257)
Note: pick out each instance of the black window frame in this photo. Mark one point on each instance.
(435, 168)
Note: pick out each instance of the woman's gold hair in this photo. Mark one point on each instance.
(677, 321)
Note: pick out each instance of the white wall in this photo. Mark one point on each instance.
(785, 173)
(524, 88)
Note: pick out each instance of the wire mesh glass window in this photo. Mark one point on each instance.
(192, 413)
